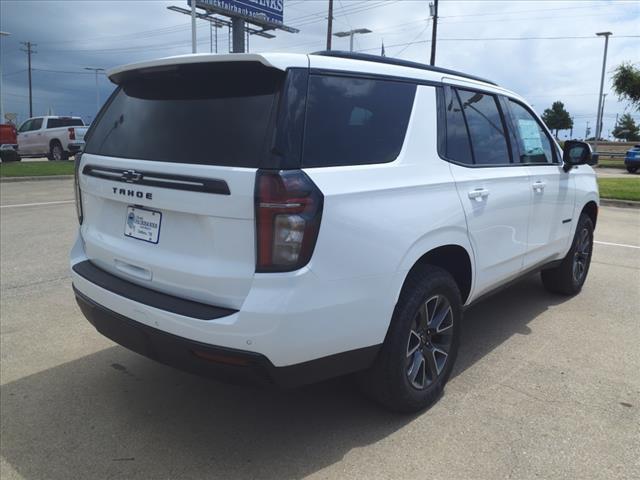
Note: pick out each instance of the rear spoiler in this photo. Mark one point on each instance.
(281, 61)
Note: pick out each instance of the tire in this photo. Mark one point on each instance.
(569, 277)
(56, 152)
(414, 363)
(9, 156)
(631, 169)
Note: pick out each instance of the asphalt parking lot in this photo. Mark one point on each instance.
(544, 386)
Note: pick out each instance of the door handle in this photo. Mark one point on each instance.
(478, 194)
(539, 186)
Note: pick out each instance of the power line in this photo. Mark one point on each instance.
(489, 39)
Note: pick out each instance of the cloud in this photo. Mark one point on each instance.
(72, 35)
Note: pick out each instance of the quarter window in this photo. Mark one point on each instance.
(534, 143)
(486, 128)
(355, 121)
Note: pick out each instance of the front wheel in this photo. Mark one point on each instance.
(569, 277)
(631, 169)
(421, 345)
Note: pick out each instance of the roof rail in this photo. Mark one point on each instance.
(396, 61)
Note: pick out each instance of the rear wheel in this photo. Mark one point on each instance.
(631, 169)
(569, 277)
(421, 345)
(56, 152)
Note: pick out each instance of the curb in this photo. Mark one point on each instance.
(610, 202)
(35, 179)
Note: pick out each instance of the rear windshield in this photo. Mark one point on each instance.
(214, 114)
(64, 122)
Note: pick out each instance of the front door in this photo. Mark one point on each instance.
(550, 218)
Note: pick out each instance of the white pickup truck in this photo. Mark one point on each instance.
(57, 138)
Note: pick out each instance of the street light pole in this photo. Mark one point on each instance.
(604, 66)
(350, 34)
(194, 44)
(96, 70)
(2, 34)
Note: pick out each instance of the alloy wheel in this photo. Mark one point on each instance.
(581, 255)
(430, 340)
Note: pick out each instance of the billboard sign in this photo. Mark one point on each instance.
(270, 11)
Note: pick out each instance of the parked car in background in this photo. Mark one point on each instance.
(57, 138)
(632, 159)
(331, 213)
(8, 143)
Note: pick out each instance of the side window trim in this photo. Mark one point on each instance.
(512, 129)
(466, 126)
(541, 124)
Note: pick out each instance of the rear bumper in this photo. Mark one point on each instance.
(75, 147)
(221, 363)
(9, 146)
(632, 162)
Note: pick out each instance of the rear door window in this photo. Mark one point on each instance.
(486, 128)
(355, 121)
(64, 122)
(214, 114)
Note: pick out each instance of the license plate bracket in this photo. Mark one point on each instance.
(143, 224)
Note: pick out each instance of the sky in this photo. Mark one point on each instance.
(521, 45)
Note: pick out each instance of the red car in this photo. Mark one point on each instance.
(8, 143)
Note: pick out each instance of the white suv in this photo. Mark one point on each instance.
(289, 218)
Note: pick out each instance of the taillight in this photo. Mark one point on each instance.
(288, 213)
(76, 188)
(72, 133)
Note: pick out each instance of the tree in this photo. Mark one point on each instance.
(627, 129)
(626, 84)
(557, 118)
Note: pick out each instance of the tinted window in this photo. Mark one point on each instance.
(534, 144)
(216, 114)
(25, 126)
(457, 143)
(355, 121)
(64, 122)
(36, 123)
(485, 128)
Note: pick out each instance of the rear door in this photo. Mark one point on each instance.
(168, 178)
(552, 202)
(494, 192)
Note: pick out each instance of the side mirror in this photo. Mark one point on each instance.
(577, 153)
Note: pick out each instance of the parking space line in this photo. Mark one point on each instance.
(36, 204)
(617, 244)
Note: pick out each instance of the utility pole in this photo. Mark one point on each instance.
(2, 34)
(600, 98)
(433, 7)
(587, 131)
(97, 70)
(29, 49)
(329, 24)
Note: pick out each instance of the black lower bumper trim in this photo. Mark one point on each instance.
(222, 363)
(153, 298)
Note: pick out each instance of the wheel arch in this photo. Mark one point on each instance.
(452, 258)
(591, 210)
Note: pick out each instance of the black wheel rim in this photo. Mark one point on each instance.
(581, 255)
(429, 343)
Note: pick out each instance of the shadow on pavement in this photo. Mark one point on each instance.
(114, 414)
